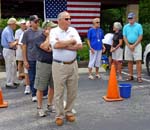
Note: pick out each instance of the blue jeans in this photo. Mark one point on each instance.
(32, 72)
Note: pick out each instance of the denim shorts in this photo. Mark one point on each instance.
(43, 76)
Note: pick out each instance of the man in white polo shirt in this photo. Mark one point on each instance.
(65, 42)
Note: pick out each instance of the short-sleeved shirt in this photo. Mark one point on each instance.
(7, 37)
(95, 37)
(117, 36)
(18, 33)
(28, 39)
(42, 55)
(132, 32)
(63, 54)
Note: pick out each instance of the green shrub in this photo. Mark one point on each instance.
(83, 54)
(146, 35)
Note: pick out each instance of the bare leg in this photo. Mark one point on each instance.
(20, 69)
(119, 68)
(97, 70)
(50, 96)
(39, 95)
(90, 71)
(130, 68)
(27, 80)
(139, 68)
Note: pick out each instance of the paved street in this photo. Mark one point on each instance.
(93, 113)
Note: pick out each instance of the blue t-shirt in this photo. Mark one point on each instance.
(7, 37)
(132, 32)
(95, 36)
(42, 55)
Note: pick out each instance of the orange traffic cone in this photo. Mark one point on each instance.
(113, 93)
(2, 103)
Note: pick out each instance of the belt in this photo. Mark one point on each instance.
(64, 62)
(47, 62)
(11, 48)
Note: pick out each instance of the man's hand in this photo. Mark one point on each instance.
(92, 50)
(112, 49)
(132, 47)
(26, 64)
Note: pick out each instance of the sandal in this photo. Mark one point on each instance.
(139, 80)
(130, 78)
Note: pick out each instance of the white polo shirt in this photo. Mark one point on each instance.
(63, 54)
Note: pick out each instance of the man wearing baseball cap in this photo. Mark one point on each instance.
(9, 46)
(19, 57)
(133, 34)
(29, 54)
(44, 68)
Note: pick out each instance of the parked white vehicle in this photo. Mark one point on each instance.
(146, 58)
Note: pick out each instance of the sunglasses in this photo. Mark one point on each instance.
(130, 18)
(67, 19)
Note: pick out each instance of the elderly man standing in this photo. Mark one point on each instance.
(133, 34)
(65, 42)
(9, 46)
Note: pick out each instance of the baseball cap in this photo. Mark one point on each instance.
(48, 24)
(131, 15)
(22, 21)
(12, 21)
(33, 18)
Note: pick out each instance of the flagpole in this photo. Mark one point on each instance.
(44, 10)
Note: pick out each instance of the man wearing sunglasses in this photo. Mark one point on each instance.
(133, 34)
(65, 42)
(29, 53)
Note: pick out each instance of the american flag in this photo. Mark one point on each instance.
(82, 12)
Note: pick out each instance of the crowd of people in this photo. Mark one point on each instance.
(46, 58)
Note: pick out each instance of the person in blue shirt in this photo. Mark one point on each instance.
(95, 36)
(133, 34)
(9, 43)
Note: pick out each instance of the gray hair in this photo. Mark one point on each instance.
(118, 25)
(60, 15)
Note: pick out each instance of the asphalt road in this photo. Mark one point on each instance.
(93, 113)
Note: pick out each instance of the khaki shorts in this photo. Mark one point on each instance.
(133, 56)
(118, 54)
(43, 76)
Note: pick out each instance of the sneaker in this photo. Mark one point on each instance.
(16, 84)
(51, 108)
(45, 97)
(34, 99)
(11, 87)
(41, 112)
(91, 77)
(97, 76)
(27, 90)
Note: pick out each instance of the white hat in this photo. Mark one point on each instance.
(21, 21)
